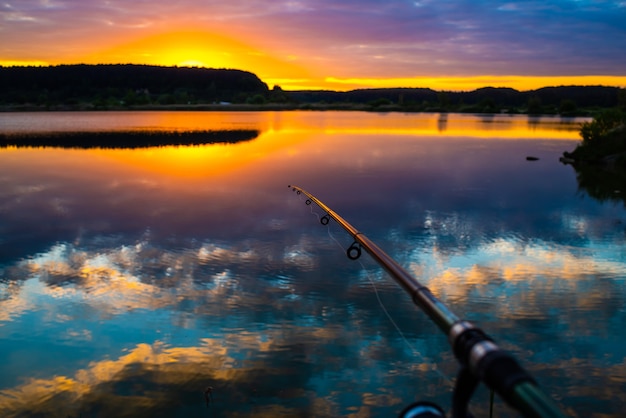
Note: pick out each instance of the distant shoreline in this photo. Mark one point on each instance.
(151, 107)
(242, 107)
(127, 87)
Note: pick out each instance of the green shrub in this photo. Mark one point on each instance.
(602, 125)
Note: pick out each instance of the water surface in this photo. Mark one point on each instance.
(133, 279)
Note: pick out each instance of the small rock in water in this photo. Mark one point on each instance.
(531, 158)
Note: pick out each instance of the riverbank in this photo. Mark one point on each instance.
(603, 142)
(270, 107)
(217, 107)
(600, 159)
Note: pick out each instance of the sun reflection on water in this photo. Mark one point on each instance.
(130, 280)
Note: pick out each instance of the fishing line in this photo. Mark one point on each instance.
(301, 198)
(479, 358)
(413, 350)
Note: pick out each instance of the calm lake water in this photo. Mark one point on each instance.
(133, 279)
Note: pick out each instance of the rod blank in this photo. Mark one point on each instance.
(471, 346)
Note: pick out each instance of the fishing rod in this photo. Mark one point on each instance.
(479, 357)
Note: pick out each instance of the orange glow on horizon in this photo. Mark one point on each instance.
(23, 63)
(291, 71)
(192, 48)
(518, 82)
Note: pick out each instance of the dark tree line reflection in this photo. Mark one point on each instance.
(603, 184)
(124, 139)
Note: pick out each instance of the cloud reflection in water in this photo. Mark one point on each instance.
(172, 268)
(204, 285)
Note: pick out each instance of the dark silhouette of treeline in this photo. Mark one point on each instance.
(114, 86)
(125, 84)
(124, 139)
(565, 100)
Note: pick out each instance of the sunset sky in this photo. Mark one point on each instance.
(334, 44)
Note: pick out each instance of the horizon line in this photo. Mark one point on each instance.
(520, 83)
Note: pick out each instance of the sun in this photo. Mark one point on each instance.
(192, 63)
(198, 48)
(186, 48)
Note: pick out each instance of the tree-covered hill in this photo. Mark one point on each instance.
(114, 86)
(563, 100)
(125, 84)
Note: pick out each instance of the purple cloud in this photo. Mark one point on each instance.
(359, 38)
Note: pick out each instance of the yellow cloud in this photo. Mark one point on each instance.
(167, 372)
(547, 271)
